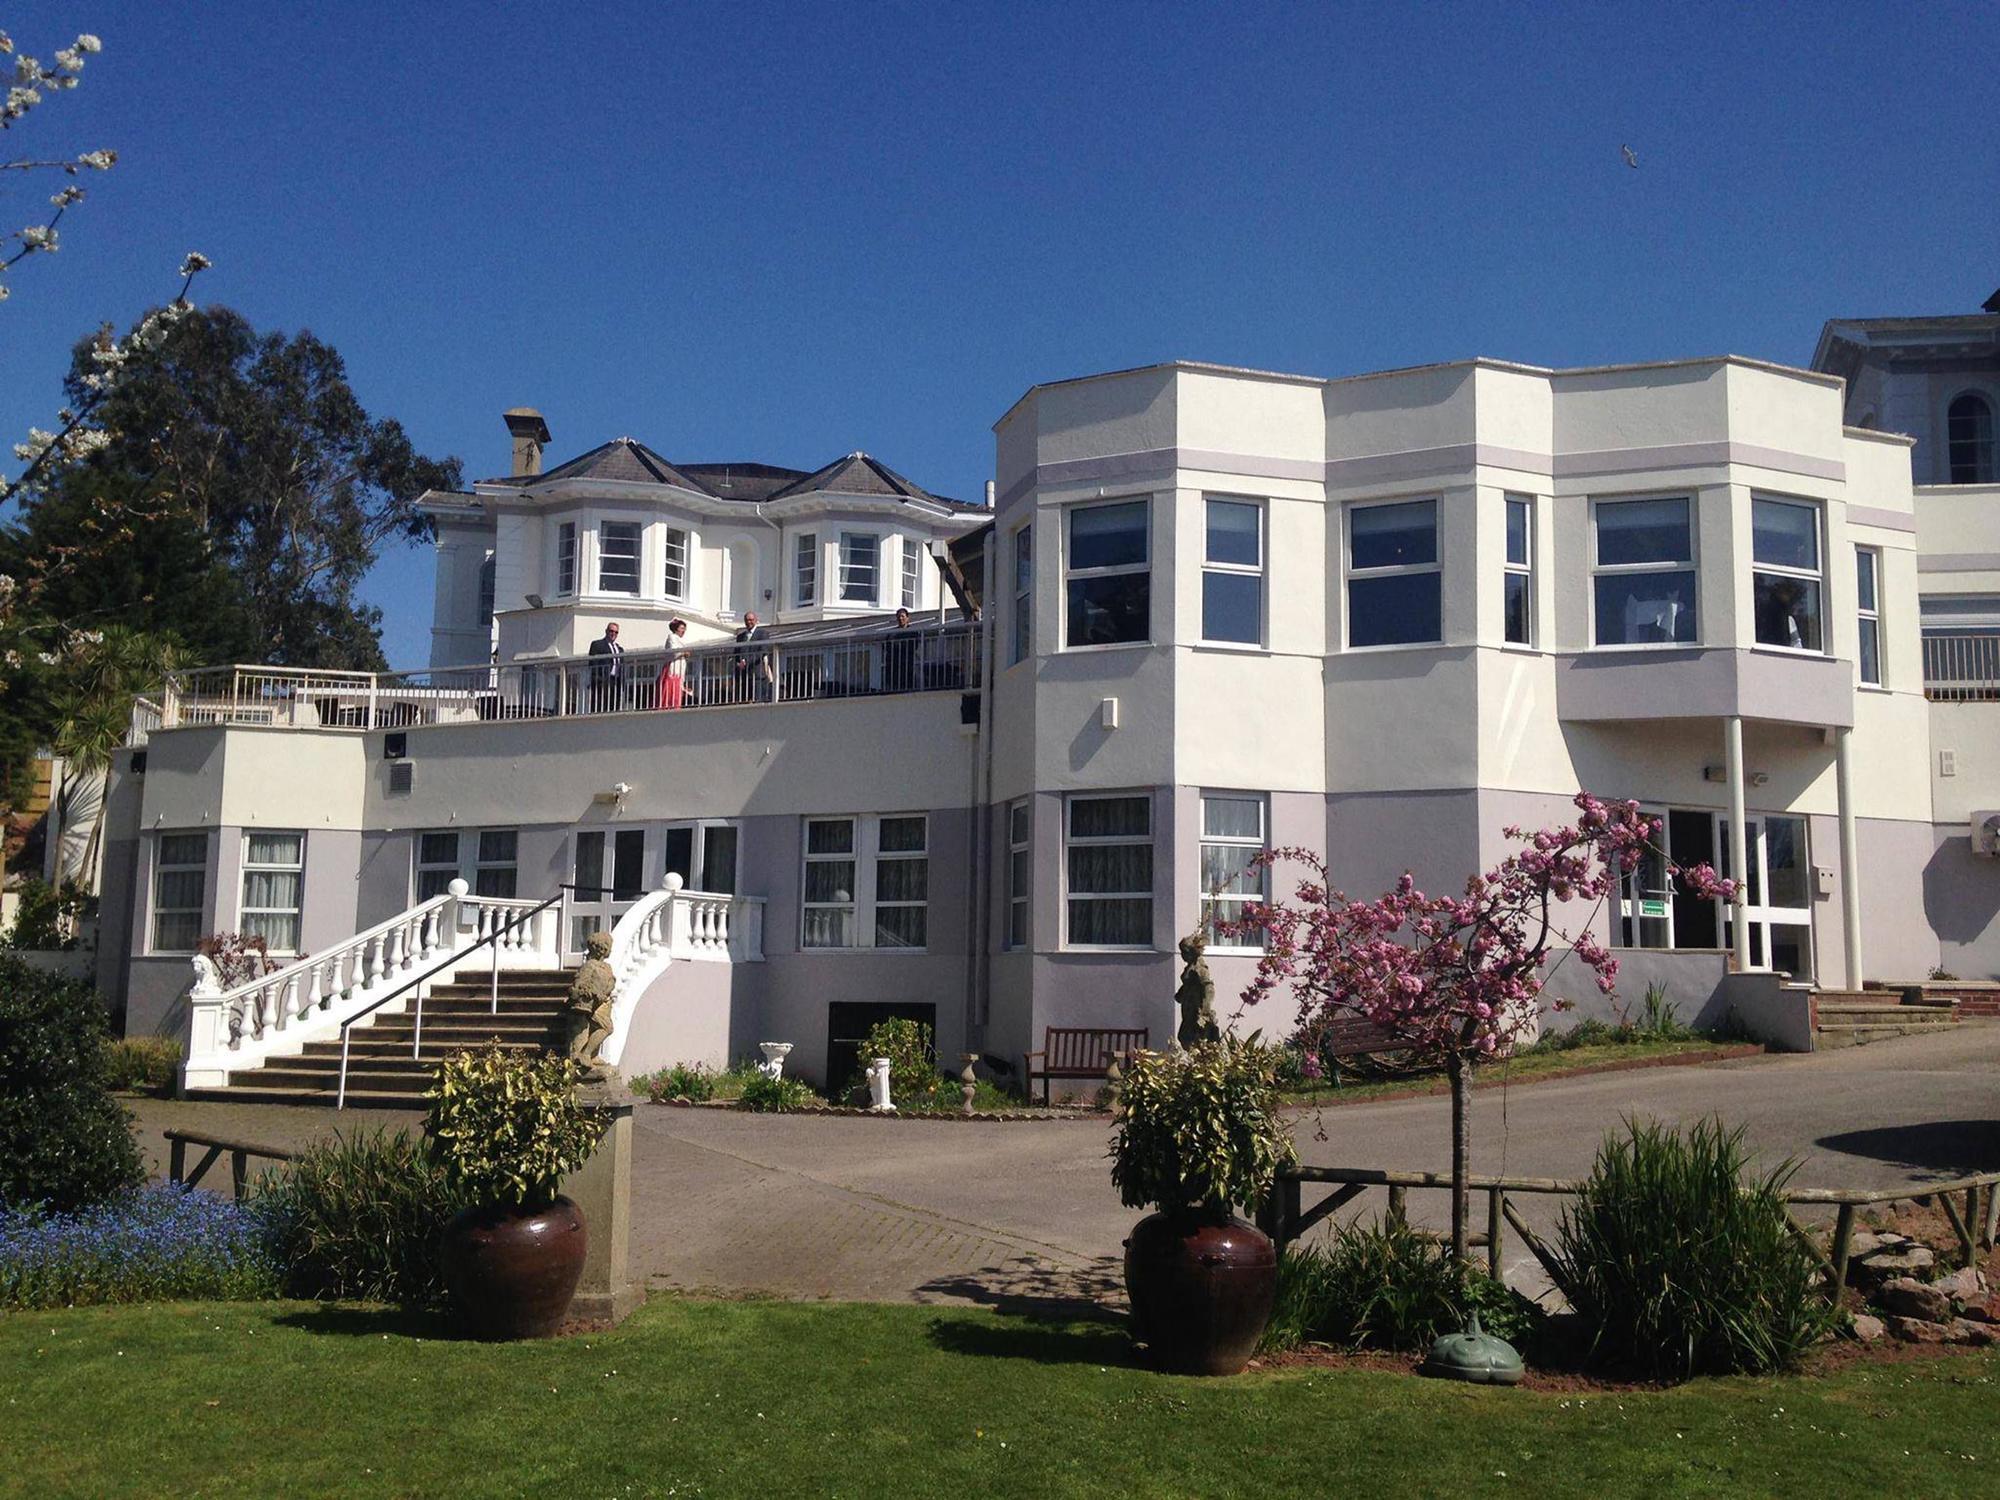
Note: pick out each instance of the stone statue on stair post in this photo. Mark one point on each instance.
(589, 1011)
(1196, 995)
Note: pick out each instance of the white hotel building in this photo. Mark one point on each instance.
(1217, 609)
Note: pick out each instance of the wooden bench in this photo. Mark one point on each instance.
(1079, 1052)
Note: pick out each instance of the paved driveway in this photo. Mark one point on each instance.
(861, 1208)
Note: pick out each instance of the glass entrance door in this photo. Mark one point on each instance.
(1779, 905)
(609, 872)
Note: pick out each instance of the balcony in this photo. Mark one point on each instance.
(1963, 667)
(796, 668)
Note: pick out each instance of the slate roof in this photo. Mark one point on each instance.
(624, 459)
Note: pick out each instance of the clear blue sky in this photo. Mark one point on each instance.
(783, 232)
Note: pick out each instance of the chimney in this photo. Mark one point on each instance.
(529, 432)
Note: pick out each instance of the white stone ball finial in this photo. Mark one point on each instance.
(673, 882)
(458, 888)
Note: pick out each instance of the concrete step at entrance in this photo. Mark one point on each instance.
(317, 1097)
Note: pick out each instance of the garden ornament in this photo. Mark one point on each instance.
(1474, 1355)
(968, 1081)
(878, 1087)
(589, 1013)
(775, 1054)
(1196, 996)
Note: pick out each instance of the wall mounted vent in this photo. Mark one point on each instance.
(402, 776)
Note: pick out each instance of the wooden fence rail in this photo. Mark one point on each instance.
(240, 1153)
(1970, 1204)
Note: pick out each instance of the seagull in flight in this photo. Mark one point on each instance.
(1631, 157)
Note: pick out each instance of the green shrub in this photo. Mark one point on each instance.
(149, 1244)
(141, 1064)
(359, 1216)
(1201, 1128)
(1384, 1286)
(1678, 1266)
(507, 1127)
(47, 917)
(64, 1141)
(915, 1081)
(691, 1081)
(776, 1096)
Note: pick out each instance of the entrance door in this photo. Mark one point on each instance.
(1779, 909)
(609, 872)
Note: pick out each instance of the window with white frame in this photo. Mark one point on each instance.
(1024, 593)
(1969, 440)
(1019, 873)
(566, 558)
(829, 883)
(180, 891)
(618, 557)
(859, 554)
(674, 573)
(1518, 578)
(902, 882)
(1785, 576)
(486, 859)
(486, 589)
(1642, 573)
(912, 571)
(1233, 834)
(1868, 601)
(496, 867)
(1232, 572)
(274, 866)
(437, 862)
(805, 569)
(1108, 574)
(1108, 859)
(1395, 584)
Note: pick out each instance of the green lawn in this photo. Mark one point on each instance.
(774, 1399)
(1529, 1067)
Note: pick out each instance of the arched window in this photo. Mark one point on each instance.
(1969, 439)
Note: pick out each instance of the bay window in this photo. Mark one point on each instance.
(805, 569)
(1108, 574)
(566, 558)
(912, 571)
(859, 552)
(1108, 858)
(674, 575)
(1785, 576)
(618, 557)
(1232, 573)
(1642, 574)
(1395, 584)
(180, 891)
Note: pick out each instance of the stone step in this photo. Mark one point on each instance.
(412, 1076)
(1884, 1015)
(1883, 997)
(1827, 1038)
(313, 1097)
(366, 1044)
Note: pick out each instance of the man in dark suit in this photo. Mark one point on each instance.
(755, 680)
(607, 670)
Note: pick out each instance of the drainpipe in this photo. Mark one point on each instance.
(777, 566)
(1739, 843)
(1850, 856)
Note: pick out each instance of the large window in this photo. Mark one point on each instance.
(859, 553)
(437, 862)
(674, 575)
(805, 569)
(902, 883)
(912, 571)
(1395, 587)
(1969, 440)
(496, 870)
(1868, 602)
(274, 867)
(1518, 579)
(1108, 854)
(1109, 574)
(566, 558)
(1643, 583)
(1024, 593)
(1232, 572)
(1019, 873)
(1785, 578)
(180, 891)
(1232, 836)
(486, 860)
(618, 557)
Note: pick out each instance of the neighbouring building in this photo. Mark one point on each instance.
(1207, 611)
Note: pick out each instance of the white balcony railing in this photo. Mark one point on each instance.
(1962, 668)
(674, 925)
(781, 670)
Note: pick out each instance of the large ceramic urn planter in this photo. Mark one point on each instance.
(1201, 1285)
(511, 1272)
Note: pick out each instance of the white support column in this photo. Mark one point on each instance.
(1739, 842)
(1850, 855)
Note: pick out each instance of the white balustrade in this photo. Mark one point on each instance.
(675, 924)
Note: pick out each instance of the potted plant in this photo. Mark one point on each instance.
(1200, 1135)
(508, 1128)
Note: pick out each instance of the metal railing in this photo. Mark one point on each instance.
(1962, 668)
(723, 675)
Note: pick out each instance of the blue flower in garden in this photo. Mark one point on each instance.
(159, 1242)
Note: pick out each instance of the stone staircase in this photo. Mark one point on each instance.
(1852, 1018)
(381, 1073)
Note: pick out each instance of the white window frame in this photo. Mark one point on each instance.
(1070, 841)
(912, 580)
(1692, 565)
(1779, 570)
(675, 551)
(1116, 570)
(1868, 617)
(877, 905)
(1524, 569)
(1394, 570)
(1020, 874)
(1205, 840)
(244, 910)
(1989, 460)
(866, 856)
(1237, 570)
(805, 569)
(852, 905)
(638, 532)
(1023, 644)
(178, 867)
(852, 570)
(483, 863)
(420, 866)
(567, 559)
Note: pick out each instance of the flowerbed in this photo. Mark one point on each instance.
(157, 1242)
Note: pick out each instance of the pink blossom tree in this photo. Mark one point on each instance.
(1457, 979)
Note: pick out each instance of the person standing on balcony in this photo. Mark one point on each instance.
(607, 670)
(673, 675)
(899, 656)
(752, 667)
